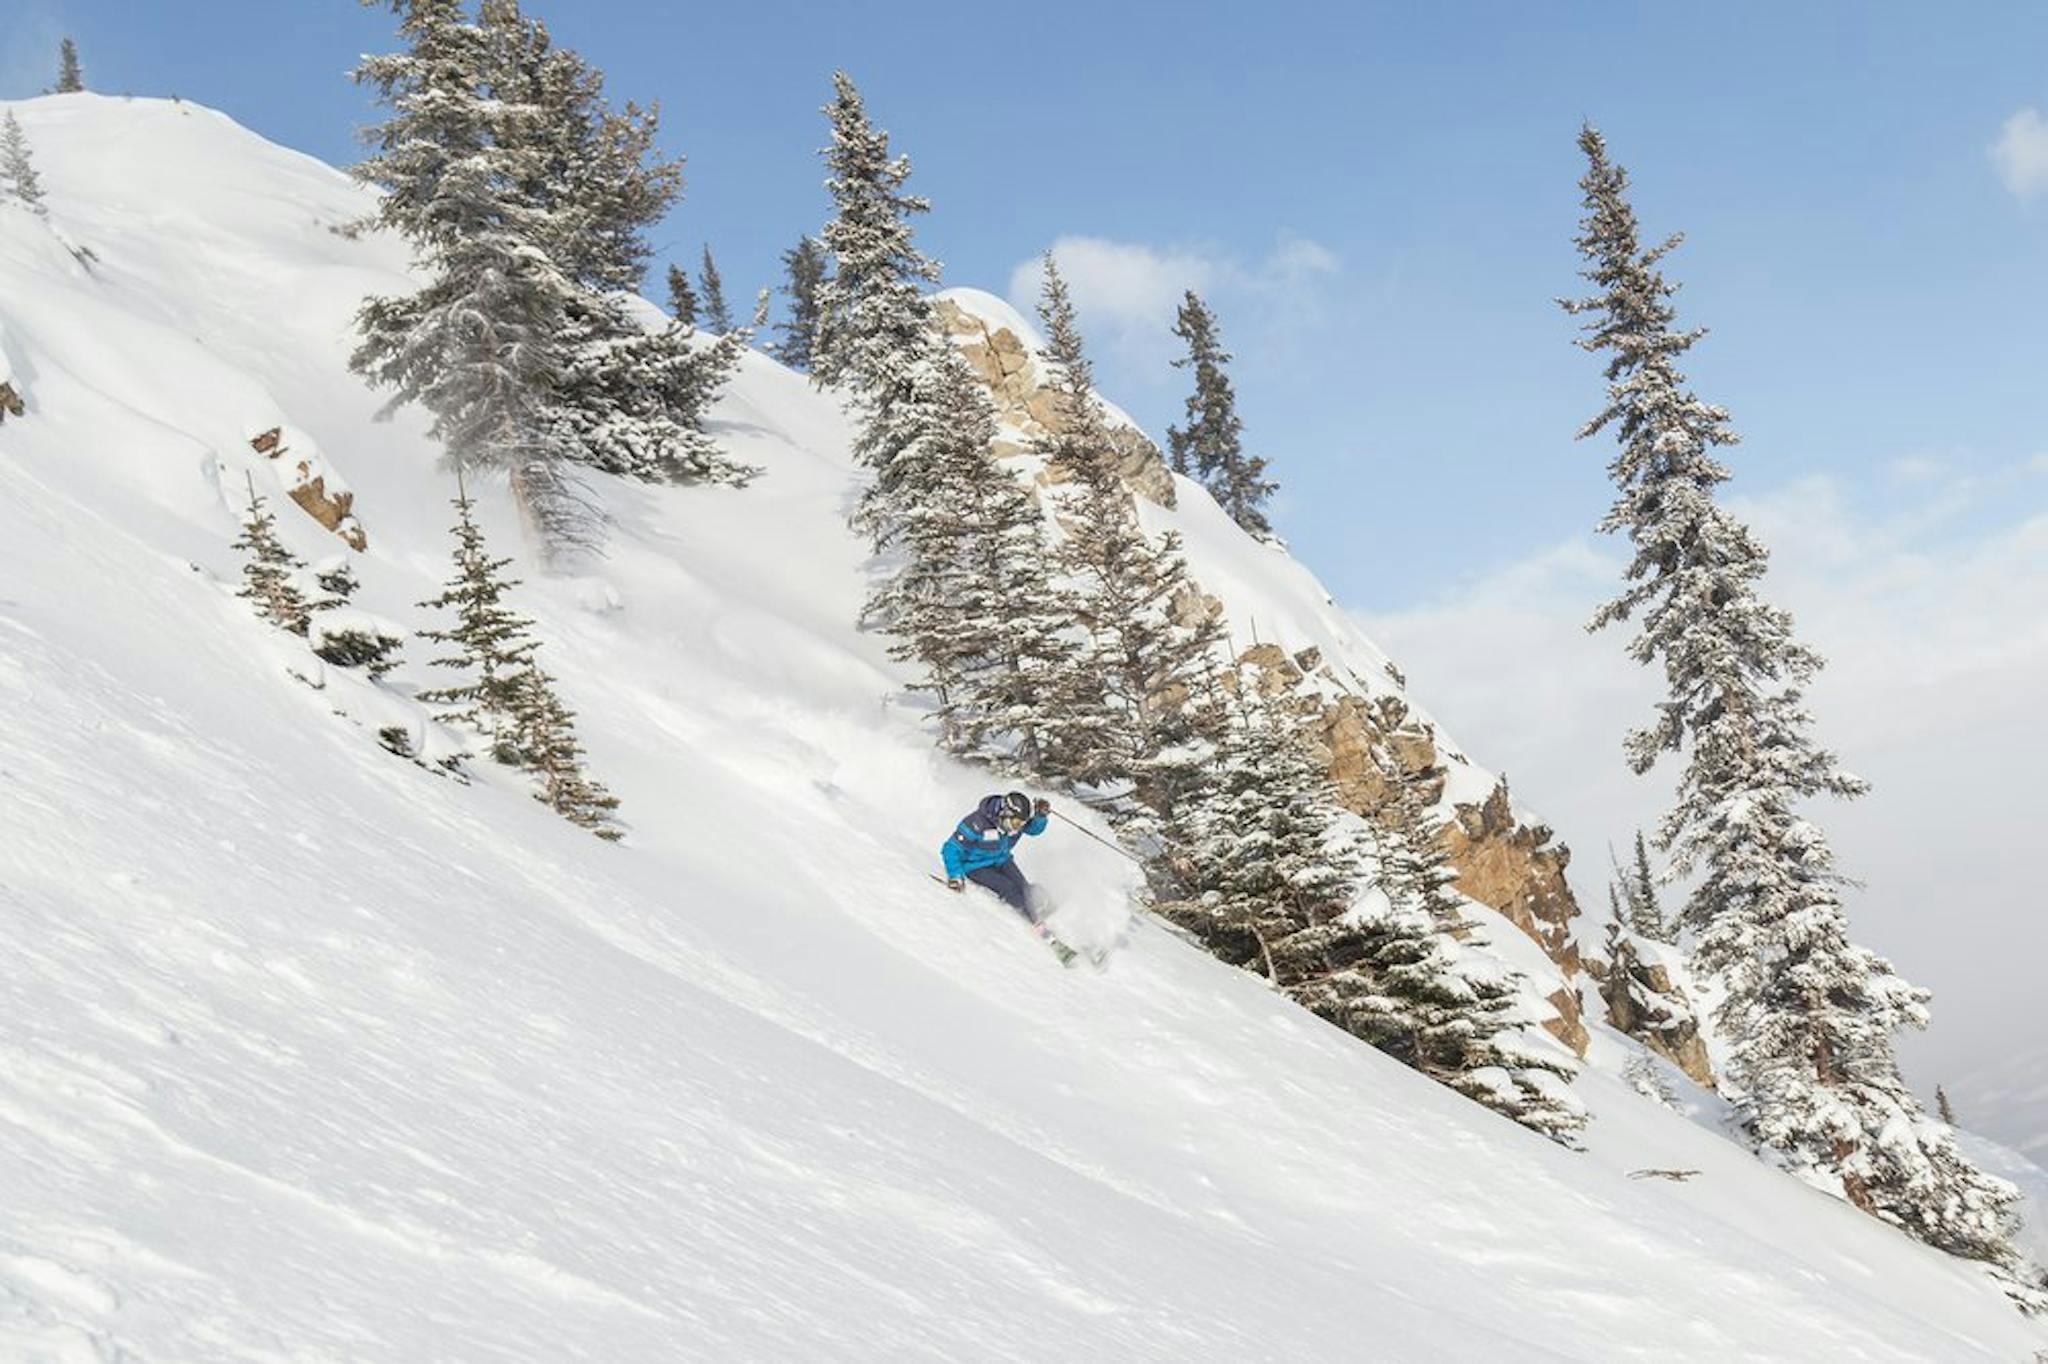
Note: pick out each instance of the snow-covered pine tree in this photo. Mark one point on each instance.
(505, 695)
(1123, 724)
(17, 169)
(1943, 1107)
(1638, 889)
(971, 552)
(1809, 1018)
(1259, 863)
(477, 344)
(490, 644)
(1210, 447)
(875, 336)
(716, 315)
(70, 79)
(270, 571)
(544, 735)
(682, 299)
(1468, 1032)
(795, 335)
(631, 400)
(351, 640)
(526, 198)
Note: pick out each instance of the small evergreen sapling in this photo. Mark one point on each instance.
(17, 168)
(716, 315)
(805, 264)
(489, 644)
(545, 735)
(357, 641)
(269, 570)
(506, 695)
(682, 299)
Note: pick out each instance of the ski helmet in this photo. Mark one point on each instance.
(1017, 806)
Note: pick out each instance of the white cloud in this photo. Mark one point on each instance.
(1917, 469)
(2021, 153)
(1936, 632)
(1126, 293)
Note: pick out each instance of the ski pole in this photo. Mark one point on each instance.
(1097, 837)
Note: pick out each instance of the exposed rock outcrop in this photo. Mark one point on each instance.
(10, 402)
(307, 485)
(1026, 406)
(1645, 1002)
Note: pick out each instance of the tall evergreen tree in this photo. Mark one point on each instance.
(682, 299)
(972, 551)
(70, 80)
(716, 315)
(1211, 446)
(477, 345)
(630, 400)
(874, 323)
(526, 198)
(17, 170)
(805, 264)
(1123, 724)
(270, 571)
(1808, 1016)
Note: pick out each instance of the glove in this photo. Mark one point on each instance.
(1041, 808)
(956, 884)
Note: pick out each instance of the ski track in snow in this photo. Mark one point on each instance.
(313, 1054)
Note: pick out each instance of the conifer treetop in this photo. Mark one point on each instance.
(70, 79)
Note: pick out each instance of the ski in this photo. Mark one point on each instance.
(1064, 953)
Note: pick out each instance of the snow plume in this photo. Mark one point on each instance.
(2021, 154)
(1126, 292)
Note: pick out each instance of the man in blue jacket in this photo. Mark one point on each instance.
(979, 850)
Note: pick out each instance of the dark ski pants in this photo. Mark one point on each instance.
(1006, 879)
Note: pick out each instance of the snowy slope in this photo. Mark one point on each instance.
(313, 1054)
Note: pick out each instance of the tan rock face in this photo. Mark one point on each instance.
(1505, 865)
(1675, 1037)
(309, 490)
(1000, 357)
(10, 402)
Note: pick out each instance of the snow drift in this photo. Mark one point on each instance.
(313, 1052)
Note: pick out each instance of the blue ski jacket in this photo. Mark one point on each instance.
(980, 842)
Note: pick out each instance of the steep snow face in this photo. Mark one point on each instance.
(313, 1053)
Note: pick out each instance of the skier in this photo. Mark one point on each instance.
(979, 850)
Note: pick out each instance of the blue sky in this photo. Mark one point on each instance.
(1380, 199)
